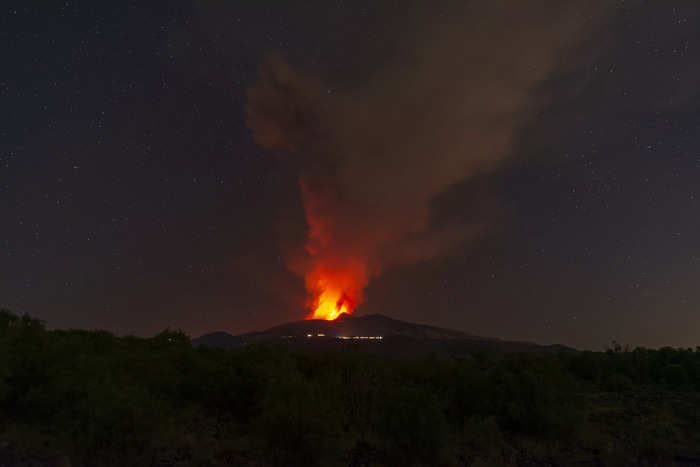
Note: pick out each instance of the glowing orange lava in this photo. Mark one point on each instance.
(334, 291)
(330, 304)
(336, 275)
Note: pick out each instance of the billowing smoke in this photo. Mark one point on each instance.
(444, 110)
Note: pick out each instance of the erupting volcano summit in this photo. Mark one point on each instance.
(330, 304)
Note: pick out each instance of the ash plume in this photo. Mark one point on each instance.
(444, 110)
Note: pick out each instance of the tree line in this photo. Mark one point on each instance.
(91, 398)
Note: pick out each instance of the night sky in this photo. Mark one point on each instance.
(133, 196)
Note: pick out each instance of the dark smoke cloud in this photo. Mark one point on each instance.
(444, 109)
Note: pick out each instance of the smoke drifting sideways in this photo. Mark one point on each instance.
(443, 111)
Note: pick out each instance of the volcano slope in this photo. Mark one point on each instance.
(378, 334)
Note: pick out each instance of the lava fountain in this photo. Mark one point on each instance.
(330, 304)
(334, 291)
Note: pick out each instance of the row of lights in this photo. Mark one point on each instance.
(346, 337)
(361, 337)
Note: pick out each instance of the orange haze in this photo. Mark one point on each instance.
(336, 277)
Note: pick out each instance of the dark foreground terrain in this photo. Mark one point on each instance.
(79, 398)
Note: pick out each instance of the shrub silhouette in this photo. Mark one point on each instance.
(412, 426)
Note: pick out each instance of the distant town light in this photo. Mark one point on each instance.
(360, 337)
(320, 334)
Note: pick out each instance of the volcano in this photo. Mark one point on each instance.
(376, 333)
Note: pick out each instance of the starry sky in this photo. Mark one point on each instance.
(133, 197)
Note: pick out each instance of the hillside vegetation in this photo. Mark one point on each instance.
(88, 398)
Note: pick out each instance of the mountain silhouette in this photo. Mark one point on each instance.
(376, 333)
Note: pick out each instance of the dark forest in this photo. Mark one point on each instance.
(84, 398)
